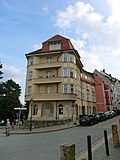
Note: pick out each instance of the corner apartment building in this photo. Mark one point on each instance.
(53, 80)
(88, 92)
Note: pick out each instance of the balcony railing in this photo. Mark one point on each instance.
(48, 65)
(43, 80)
(51, 97)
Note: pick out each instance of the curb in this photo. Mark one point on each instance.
(45, 131)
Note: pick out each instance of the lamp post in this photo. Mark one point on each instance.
(31, 103)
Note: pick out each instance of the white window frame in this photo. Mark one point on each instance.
(71, 73)
(48, 89)
(87, 86)
(72, 88)
(30, 75)
(31, 61)
(55, 46)
(29, 90)
(65, 88)
(65, 72)
(49, 74)
(65, 57)
(49, 59)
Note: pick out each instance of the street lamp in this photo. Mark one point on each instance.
(31, 103)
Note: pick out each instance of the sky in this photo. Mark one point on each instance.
(93, 26)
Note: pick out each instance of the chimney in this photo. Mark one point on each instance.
(104, 70)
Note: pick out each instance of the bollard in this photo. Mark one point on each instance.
(67, 152)
(106, 143)
(115, 136)
(89, 147)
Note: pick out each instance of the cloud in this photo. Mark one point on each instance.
(99, 34)
(10, 72)
(37, 46)
(45, 8)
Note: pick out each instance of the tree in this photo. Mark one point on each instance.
(1, 73)
(9, 99)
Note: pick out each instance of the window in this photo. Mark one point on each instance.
(65, 88)
(83, 96)
(55, 46)
(71, 88)
(87, 87)
(49, 74)
(31, 61)
(88, 97)
(71, 73)
(93, 98)
(70, 57)
(65, 72)
(29, 90)
(74, 59)
(35, 109)
(49, 59)
(86, 77)
(48, 89)
(75, 74)
(65, 57)
(60, 109)
(47, 110)
(82, 85)
(93, 89)
(30, 75)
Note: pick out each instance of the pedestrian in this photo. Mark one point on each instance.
(7, 127)
(13, 124)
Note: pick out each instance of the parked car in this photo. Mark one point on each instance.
(97, 116)
(109, 114)
(88, 120)
(103, 117)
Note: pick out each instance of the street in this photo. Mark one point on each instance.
(46, 146)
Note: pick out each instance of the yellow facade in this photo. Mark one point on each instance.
(53, 82)
(88, 93)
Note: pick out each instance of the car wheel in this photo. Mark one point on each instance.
(91, 123)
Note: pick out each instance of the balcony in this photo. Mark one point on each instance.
(51, 97)
(48, 65)
(44, 80)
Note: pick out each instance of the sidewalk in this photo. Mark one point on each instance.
(99, 151)
(42, 130)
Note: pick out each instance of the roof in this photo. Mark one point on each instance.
(56, 38)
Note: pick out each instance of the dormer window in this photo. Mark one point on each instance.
(55, 46)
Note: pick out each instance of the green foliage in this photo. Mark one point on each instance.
(1, 73)
(9, 99)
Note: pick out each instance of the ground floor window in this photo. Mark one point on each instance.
(60, 109)
(35, 109)
(47, 110)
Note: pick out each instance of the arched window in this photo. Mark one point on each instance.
(94, 109)
(47, 110)
(60, 109)
(35, 109)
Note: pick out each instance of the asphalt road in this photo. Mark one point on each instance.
(46, 146)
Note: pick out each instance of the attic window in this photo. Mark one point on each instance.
(55, 46)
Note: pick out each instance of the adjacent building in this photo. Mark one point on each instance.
(88, 92)
(111, 90)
